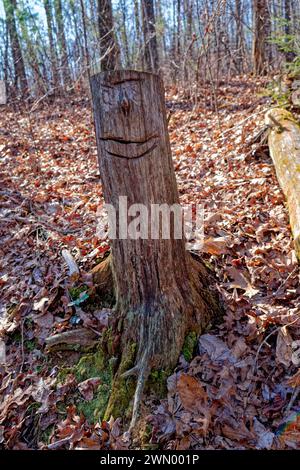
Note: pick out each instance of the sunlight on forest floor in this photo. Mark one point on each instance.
(242, 389)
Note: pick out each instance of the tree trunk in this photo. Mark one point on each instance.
(150, 40)
(20, 75)
(137, 35)
(239, 40)
(261, 31)
(289, 55)
(39, 86)
(52, 46)
(178, 42)
(162, 293)
(124, 33)
(109, 50)
(64, 60)
(284, 143)
(85, 39)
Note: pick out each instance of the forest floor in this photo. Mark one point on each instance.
(240, 390)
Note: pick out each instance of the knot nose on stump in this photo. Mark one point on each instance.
(125, 104)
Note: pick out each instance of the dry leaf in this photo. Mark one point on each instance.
(191, 392)
(294, 381)
(239, 348)
(241, 282)
(216, 349)
(284, 349)
(240, 433)
(41, 304)
(216, 246)
(87, 387)
(265, 437)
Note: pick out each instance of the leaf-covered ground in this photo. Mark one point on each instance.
(240, 390)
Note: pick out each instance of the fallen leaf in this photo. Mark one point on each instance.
(265, 437)
(87, 387)
(216, 349)
(216, 246)
(284, 349)
(41, 304)
(191, 392)
(241, 282)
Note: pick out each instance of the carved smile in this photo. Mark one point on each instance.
(129, 148)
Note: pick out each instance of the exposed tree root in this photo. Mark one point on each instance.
(102, 276)
(147, 341)
(143, 374)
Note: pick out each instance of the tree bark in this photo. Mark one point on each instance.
(289, 55)
(52, 45)
(239, 40)
(137, 35)
(261, 32)
(178, 42)
(20, 75)
(284, 144)
(85, 39)
(150, 40)
(162, 293)
(124, 33)
(109, 50)
(64, 60)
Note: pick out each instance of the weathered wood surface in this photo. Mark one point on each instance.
(284, 144)
(161, 292)
(2, 92)
(71, 263)
(81, 337)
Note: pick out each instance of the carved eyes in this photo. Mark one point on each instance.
(107, 95)
(114, 96)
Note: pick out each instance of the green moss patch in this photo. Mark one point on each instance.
(92, 365)
(123, 388)
(189, 345)
(157, 382)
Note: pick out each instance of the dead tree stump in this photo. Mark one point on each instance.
(162, 293)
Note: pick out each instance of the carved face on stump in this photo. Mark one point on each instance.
(128, 128)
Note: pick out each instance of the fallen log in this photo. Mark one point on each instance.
(81, 337)
(284, 144)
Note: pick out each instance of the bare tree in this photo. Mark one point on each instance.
(261, 32)
(52, 45)
(64, 61)
(150, 40)
(289, 55)
(109, 50)
(16, 51)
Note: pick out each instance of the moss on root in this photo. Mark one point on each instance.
(189, 345)
(108, 341)
(92, 365)
(114, 394)
(157, 382)
(122, 388)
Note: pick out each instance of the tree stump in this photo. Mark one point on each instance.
(162, 292)
(284, 144)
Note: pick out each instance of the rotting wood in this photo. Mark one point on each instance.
(81, 337)
(71, 263)
(284, 144)
(2, 92)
